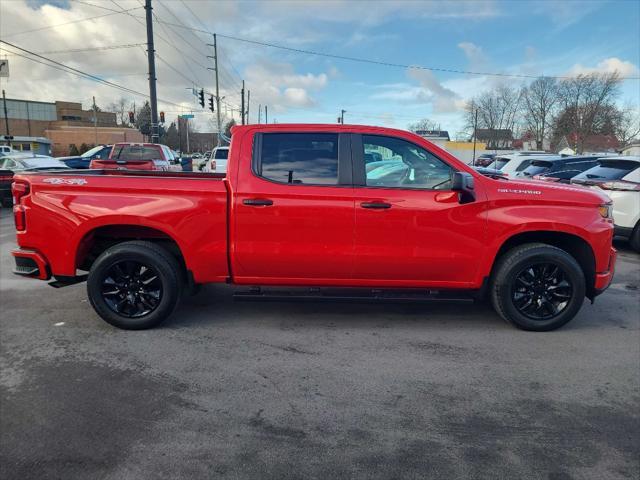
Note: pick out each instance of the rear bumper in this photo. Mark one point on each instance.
(30, 263)
(603, 280)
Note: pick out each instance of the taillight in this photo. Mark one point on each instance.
(621, 186)
(213, 165)
(19, 190)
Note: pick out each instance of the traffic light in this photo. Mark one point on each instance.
(161, 117)
(132, 117)
(201, 96)
(211, 103)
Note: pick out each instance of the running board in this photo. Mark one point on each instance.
(352, 295)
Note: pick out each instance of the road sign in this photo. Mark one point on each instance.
(187, 116)
(4, 67)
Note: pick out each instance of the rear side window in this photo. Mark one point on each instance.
(537, 167)
(610, 170)
(299, 158)
(138, 152)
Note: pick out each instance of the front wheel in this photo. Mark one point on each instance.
(537, 287)
(135, 285)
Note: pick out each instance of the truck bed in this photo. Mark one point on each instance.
(77, 209)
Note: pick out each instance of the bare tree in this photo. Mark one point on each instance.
(539, 103)
(121, 109)
(497, 110)
(424, 124)
(628, 125)
(587, 107)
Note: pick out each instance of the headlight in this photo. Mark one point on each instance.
(606, 211)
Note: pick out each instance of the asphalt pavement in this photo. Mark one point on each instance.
(257, 390)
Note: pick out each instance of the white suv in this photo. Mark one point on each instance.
(514, 163)
(218, 161)
(619, 177)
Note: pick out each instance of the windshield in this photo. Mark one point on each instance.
(498, 163)
(222, 154)
(92, 152)
(609, 170)
(42, 162)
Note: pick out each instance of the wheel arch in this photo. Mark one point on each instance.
(99, 238)
(574, 245)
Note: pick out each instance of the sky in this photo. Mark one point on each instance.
(552, 37)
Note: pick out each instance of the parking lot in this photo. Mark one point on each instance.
(230, 389)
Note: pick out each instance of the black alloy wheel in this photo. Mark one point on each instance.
(542, 291)
(131, 289)
(135, 284)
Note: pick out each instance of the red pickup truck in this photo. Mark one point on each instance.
(138, 156)
(340, 210)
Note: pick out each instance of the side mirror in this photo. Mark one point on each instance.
(462, 182)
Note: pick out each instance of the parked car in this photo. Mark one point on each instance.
(485, 159)
(619, 177)
(557, 169)
(6, 150)
(297, 208)
(83, 161)
(138, 156)
(22, 162)
(6, 178)
(218, 161)
(510, 165)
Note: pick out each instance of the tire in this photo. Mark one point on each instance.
(537, 307)
(117, 281)
(634, 239)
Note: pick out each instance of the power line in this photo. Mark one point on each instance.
(113, 12)
(90, 49)
(377, 62)
(390, 64)
(80, 73)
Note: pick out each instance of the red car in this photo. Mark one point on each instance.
(138, 156)
(363, 210)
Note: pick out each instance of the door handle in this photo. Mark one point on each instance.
(377, 205)
(258, 202)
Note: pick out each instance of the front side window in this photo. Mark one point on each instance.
(395, 163)
(299, 158)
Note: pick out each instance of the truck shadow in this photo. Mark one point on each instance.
(216, 304)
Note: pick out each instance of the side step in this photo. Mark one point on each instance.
(367, 295)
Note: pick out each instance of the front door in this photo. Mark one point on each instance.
(411, 229)
(294, 212)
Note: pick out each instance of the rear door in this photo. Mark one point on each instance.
(410, 228)
(293, 209)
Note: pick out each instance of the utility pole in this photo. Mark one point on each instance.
(259, 112)
(475, 134)
(152, 72)
(248, 104)
(342, 112)
(242, 104)
(215, 69)
(266, 115)
(95, 119)
(6, 117)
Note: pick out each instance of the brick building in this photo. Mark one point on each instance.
(65, 124)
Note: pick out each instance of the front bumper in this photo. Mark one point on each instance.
(603, 280)
(30, 263)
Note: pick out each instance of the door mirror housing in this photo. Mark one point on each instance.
(463, 183)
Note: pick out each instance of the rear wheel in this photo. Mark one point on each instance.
(135, 285)
(537, 287)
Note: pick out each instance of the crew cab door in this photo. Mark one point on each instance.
(293, 210)
(411, 229)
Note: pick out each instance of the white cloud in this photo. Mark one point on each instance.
(608, 65)
(474, 53)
